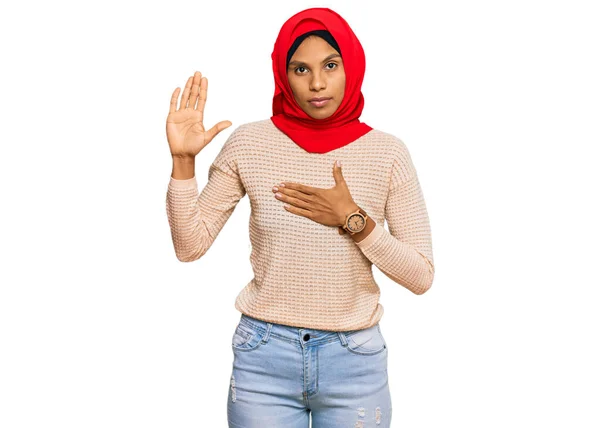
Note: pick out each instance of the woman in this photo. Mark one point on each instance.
(308, 343)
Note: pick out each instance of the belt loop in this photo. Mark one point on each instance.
(343, 339)
(265, 339)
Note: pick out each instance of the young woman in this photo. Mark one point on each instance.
(308, 343)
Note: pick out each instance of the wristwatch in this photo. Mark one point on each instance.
(356, 221)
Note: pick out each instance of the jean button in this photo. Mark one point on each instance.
(306, 337)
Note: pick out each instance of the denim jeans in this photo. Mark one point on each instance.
(284, 375)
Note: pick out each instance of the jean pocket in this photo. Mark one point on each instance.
(368, 341)
(246, 338)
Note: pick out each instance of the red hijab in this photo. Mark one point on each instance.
(343, 126)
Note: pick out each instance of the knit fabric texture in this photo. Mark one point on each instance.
(306, 274)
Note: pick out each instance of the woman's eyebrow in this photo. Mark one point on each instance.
(333, 55)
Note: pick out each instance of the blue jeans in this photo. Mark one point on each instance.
(283, 375)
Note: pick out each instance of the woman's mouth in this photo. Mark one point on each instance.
(320, 103)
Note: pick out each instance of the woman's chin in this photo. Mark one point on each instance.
(319, 114)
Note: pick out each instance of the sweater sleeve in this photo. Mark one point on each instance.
(196, 218)
(404, 254)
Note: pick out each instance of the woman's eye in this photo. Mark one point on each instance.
(303, 68)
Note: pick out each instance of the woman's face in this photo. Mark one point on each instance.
(316, 70)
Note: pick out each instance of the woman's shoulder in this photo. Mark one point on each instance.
(254, 133)
(395, 145)
(398, 156)
(261, 125)
(243, 140)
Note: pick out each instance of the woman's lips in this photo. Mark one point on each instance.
(320, 103)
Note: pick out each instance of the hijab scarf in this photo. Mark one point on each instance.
(343, 126)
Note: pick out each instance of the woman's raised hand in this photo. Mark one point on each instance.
(185, 130)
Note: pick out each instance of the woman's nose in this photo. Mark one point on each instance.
(317, 82)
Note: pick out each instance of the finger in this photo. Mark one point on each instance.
(195, 87)
(337, 173)
(337, 167)
(300, 188)
(299, 211)
(295, 201)
(186, 94)
(212, 132)
(202, 97)
(296, 194)
(173, 106)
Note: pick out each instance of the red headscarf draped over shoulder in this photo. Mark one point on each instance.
(343, 126)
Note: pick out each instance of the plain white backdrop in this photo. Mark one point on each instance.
(498, 103)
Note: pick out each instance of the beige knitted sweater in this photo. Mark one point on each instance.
(306, 274)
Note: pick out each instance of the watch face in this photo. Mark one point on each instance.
(356, 223)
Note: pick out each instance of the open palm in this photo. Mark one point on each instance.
(185, 129)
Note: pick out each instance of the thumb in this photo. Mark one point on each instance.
(337, 173)
(212, 132)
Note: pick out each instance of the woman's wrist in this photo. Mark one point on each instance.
(366, 231)
(347, 210)
(363, 233)
(184, 168)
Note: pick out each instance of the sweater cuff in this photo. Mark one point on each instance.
(184, 184)
(371, 237)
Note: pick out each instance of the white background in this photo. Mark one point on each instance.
(498, 103)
